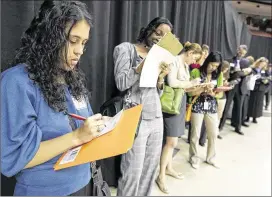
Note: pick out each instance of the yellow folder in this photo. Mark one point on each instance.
(116, 142)
(170, 43)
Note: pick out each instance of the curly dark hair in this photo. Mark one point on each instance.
(42, 46)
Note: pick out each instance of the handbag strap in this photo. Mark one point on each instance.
(194, 100)
(127, 93)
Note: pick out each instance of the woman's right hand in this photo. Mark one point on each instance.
(195, 81)
(210, 92)
(89, 130)
(139, 68)
(210, 86)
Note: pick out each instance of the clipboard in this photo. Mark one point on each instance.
(170, 43)
(113, 143)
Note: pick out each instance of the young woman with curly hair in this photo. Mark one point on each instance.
(44, 83)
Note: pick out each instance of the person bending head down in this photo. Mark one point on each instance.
(52, 46)
(46, 82)
(241, 51)
(154, 31)
(212, 65)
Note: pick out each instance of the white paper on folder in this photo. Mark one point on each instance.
(111, 124)
(151, 68)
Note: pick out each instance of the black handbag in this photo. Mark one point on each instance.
(120, 100)
(99, 187)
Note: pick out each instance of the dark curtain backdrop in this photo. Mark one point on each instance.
(234, 31)
(261, 46)
(214, 23)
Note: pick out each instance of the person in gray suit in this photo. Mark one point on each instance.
(247, 95)
(235, 94)
(139, 164)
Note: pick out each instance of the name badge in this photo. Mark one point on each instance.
(206, 105)
(214, 82)
(79, 104)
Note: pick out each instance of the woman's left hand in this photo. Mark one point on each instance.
(226, 83)
(164, 70)
(210, 86)
(210, 92)
(106, 118)
(265, 81)
(247, 70)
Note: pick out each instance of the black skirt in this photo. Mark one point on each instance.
(174, 125)
(256, 103)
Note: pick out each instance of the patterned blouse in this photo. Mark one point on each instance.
(198, 106)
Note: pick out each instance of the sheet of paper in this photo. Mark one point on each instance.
(111, 124)
(151, 68)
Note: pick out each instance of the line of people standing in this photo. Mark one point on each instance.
(159, 132)
(45, 82)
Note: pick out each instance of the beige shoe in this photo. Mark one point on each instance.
(213, 164)
(175, 175)
(194, 165)
(161, 186)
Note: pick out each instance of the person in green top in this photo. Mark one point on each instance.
(205, 107)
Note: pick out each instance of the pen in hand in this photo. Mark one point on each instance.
(75, 116)
(78, 117)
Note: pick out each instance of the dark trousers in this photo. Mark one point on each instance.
(203, 134)
(238, 100)
(245, 108)
(267, 98)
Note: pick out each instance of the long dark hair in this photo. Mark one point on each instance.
(43, 45)
(145, 32)
(212, 57)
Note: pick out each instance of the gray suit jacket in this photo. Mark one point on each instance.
(243, 86)
(127, 78)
